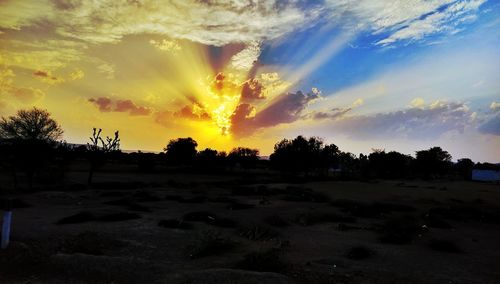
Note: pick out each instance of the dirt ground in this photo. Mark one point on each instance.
(180, 228)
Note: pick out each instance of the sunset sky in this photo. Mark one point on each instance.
(399, 75)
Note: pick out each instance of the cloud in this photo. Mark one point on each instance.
(207, 22)
(491, 126)
(130, 107)
(223, 22)
(409, 20)
(27, 95)
(105, 104)
(494, 106)
(252, 90)
(270, 77)
(22, 94)
(414, 123)
(245, 59)
(286, 108)
(166, 45)
(47, 77)
(417, 103)
(77, 74)
(333, 114)
(107, 69)
(194, 112)
(357, 103)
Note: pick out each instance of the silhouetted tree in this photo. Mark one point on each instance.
(35, 124)
(434, 161)
(98, 149)
(329, 157)
(297, 155)
(245, 157)
(207, 158)
(464, 168)
(389, 165)
(181, 151)
(28, 139)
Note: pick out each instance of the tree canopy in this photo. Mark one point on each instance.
(33, 124)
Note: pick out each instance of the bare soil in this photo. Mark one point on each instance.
(181, 228)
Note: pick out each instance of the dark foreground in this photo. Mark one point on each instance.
(132, 228)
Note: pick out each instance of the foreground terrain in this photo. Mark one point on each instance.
(181, 228)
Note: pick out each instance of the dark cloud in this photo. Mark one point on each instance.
(252, 90)
(414, 123)
(195, 112)
(106, 105)
(40, 73)
(130, 107)
(491, 126)
(45, 74)
(286, 108)
(334, 113)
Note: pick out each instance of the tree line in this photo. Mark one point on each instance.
(30, 145)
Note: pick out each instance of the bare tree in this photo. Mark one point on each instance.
(98, 148)
(33, 124)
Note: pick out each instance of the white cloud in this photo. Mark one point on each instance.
(107, 69)
(245, 59)
(166, 45)
(223, 22)
(494, 105)
(406, 19)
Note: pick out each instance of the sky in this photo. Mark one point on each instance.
(401, 75)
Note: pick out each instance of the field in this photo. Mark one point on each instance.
(249, 228)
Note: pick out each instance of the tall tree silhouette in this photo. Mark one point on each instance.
(434, 161)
